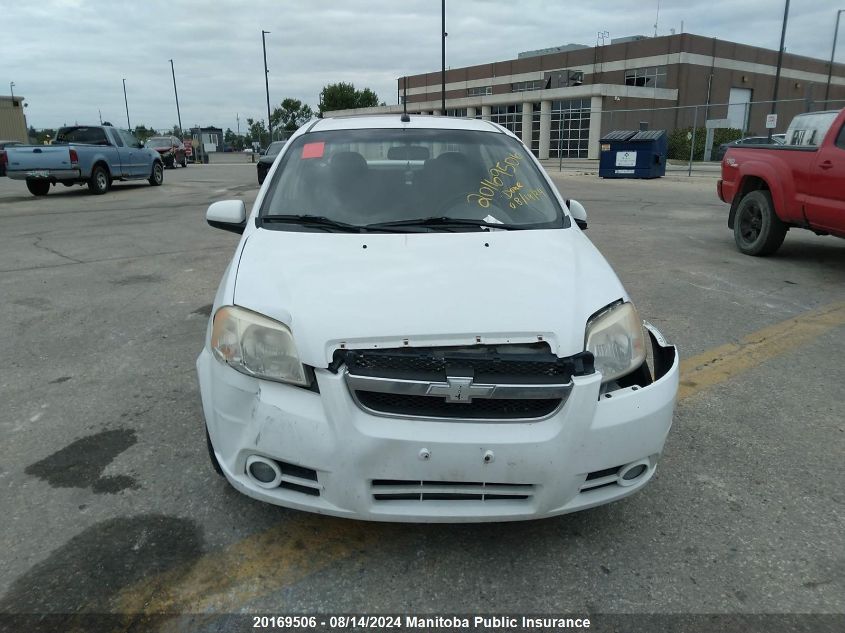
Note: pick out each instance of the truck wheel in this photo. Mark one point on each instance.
(757, 228)
(157, 175)
(38, 187)
(99, 182)
(184, 161)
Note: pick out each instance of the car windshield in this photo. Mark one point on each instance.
(373, 176)
(158, 141)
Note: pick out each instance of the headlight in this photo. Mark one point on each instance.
(616, 339)
(256, 345)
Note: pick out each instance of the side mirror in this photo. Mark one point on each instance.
(579, 213)
(229, 215)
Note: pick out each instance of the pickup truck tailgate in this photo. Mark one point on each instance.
(38, 158)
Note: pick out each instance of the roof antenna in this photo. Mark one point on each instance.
(405, 118)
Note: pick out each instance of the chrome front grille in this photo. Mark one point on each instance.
(412, 490)
(524, 382)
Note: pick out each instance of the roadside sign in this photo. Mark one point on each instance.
(771, 121)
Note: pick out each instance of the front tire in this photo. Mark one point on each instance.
(184, 161)
(38, 187)
(157, 175)
(100, 182)
(758, 230)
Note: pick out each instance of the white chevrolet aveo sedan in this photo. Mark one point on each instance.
(414, 327)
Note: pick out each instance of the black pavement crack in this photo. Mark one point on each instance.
(37, 244)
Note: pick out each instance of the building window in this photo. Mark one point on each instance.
(459, 112)
(648, 77)
(570, 128)
(480, 91)
(509, 117)
(527, 86)
(563, 78)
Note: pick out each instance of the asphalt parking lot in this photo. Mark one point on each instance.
(109, 503)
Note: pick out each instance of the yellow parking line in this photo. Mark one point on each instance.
(726, 361)
(253, 567)
(225, 580)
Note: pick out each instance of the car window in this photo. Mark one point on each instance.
(384, 175)
(129, 138)
(840, 140)
(82, 135)
(113, 133)
(159, 141)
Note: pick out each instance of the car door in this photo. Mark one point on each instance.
(124, 154)
(825, 207)
(135, 164)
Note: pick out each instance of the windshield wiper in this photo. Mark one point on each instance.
(445, 222)
(318, 221)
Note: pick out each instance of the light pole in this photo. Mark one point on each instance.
(178, 115)
(12, 90)
(443, 57)
(267, 82)
(126, 102)
(832, 53)
(780, 63)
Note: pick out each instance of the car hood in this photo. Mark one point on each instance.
(425, 289)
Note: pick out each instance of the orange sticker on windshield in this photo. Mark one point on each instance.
(313, 150)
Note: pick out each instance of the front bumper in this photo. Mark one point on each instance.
(391, 469)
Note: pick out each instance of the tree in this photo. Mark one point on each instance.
(257, 132)
(292, 114)
(142, 132)
(233, 140)
(344, 96)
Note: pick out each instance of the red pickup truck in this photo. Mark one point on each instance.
(772, 188)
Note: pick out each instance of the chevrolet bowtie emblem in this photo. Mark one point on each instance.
(458, 389)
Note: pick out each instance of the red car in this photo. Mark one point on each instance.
(797, 185)
(171, 149)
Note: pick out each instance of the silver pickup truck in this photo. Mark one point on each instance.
(92, 155)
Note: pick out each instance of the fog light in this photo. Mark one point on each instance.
(631, 474)
(635, 472)
(264, 472)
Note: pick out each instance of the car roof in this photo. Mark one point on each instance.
(394, 121)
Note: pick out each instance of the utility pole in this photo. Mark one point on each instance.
(126, 101)
(832, 53)
(100, 112)
(178, 115)
(443, 57)
(12, 90)
(267, 82)
(780, 63)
